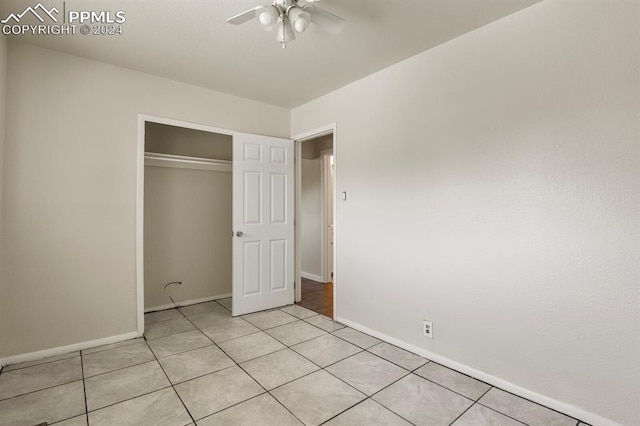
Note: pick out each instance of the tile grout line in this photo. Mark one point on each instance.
(496, 411)
(37, 365)
(239, 366)
(410, 372)
(286, 347)
(464, 396)
(39, 390)
(182, 352)
(127, 399)
(167, 376)
(121, 344)
(143, 339)
(395, 363)
(500, 412)
(444, 387)
(84, 391)
(462, 414)
(120, 368)
(529, 401)
(338, 378)
(320, 368)
(370, 396)
(490, 387)
(297, 343)
(463, 374)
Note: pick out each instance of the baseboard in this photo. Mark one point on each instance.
(60, 350)
(187, 302)
(563, 407)
(311, 277)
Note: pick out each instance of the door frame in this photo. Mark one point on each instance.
(142, 120)
(326, 235)
(298, 139)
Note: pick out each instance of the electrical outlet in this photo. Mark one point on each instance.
(427, 329)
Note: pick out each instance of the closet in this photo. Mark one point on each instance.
(187, 215)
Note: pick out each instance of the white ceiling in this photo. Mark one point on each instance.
(189, 41)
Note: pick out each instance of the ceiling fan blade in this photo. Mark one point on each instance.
(326, 20)
(243, 17)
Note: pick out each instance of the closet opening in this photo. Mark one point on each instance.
(187, 216)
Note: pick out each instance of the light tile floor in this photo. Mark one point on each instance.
(290, 366)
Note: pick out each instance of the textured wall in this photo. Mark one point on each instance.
(311, 220)
(187, 234)
(493, 187)
(69, 208)
(4, 45)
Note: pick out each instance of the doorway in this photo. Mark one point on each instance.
(315, 223)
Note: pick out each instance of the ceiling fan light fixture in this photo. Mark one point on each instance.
(299, 19)
(268, 16)
(290, 17)
(285, 32)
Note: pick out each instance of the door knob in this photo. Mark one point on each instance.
(239, 234)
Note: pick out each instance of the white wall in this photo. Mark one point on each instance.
(187, 142)
(3, 73)
(311, 218)
(4, 45)
(493, 188)
(68, 214)
(187, 223)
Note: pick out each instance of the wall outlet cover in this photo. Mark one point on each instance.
(427, 329)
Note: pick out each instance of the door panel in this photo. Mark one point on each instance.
(278, 198)
(278, 253)
(252, 267)
(262, 245)
(252, 202)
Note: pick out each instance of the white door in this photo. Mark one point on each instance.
(263, 265)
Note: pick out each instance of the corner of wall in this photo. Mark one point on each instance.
(4, 47)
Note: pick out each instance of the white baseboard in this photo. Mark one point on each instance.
(33, 356)
(187, 302)
(563, 407)
(311, 277)
(60, 350)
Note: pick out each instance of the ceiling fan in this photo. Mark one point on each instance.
(290, 17)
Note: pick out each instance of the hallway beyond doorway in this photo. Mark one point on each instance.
(317, 297)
